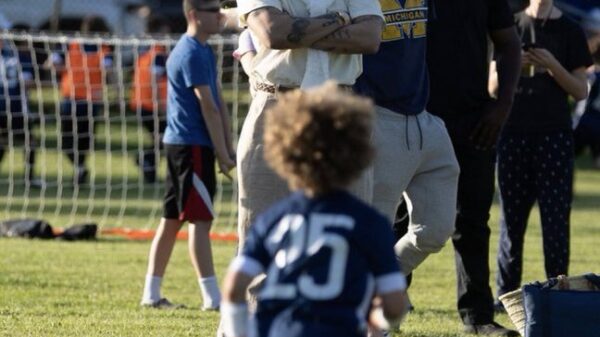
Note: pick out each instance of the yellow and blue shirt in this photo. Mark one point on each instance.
(396, 76)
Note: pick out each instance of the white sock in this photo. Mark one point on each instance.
(211, 294)
(152, 289)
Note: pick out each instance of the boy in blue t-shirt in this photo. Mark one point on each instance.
(325, 253)
(198, 130)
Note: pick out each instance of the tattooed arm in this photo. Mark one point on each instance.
(278, 30)
(362, 36)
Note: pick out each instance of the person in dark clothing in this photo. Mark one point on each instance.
(535, 150)
(148, 96)
(16, 120)
(84, 69)
(458, 58)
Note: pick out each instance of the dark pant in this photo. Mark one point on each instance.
(16, 128)
(77, 129)
(400, 228)
(534, 167)
(155, 125)
(472, 235)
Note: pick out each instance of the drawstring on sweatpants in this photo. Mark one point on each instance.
(406, 132)
(420, 133)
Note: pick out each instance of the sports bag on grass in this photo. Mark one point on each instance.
(85, 231)
(562, 312)
(28, 228)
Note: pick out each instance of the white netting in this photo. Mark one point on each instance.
(37, 172)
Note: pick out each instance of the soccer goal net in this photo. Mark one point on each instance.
(80, 125)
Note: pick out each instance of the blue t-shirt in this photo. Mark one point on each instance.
(324, 258)
(190, 64)
(14, 69)
(396, 76)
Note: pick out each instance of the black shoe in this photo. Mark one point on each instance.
(499, 308)
(148, 166)
(36, 183)
(81, 175)
(490, 329)
(597, 162)
(149, 175)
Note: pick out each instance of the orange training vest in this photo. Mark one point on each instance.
(82, 77)
(148, 88)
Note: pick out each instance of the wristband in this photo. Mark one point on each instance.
(379, 319)
(234, 317)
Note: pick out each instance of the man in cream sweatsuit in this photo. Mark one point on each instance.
(302, 43)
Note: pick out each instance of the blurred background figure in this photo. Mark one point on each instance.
(535, 150)
(4, 22)
(16, 121)
(587, 113)
(84, 71)
(148, 96)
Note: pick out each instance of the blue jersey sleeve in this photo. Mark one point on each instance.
(254, 247)
(196, 70)
(378, 243)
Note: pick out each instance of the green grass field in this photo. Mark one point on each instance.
(116, 195)
(52, 288)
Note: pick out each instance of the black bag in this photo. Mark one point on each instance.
(28, 228)
(79, 232)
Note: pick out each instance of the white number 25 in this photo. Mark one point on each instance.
(318, 238)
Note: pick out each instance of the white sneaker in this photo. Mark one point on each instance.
(220, 331)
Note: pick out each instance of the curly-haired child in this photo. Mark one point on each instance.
(326, 254)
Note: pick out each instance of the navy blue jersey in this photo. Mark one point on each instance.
(324, 258)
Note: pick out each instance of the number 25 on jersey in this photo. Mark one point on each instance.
(307, 238)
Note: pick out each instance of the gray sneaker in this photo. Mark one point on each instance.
(163, 303)
(490, 329)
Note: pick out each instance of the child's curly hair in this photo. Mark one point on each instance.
(319, 140)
